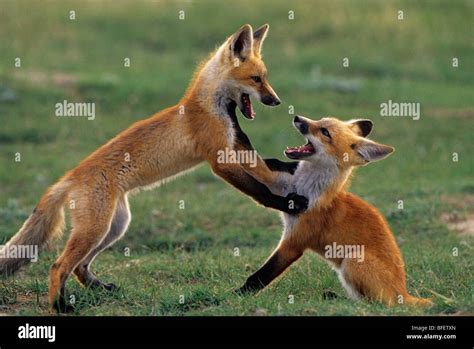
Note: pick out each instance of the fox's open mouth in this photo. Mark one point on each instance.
(301, 151)
(245, 106)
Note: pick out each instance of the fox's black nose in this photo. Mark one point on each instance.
(300, 124)
(270, 100)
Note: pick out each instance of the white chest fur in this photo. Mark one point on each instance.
(310, 179)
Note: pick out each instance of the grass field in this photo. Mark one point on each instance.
(176, 253)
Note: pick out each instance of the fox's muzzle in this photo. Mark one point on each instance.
(270, 100)
(268, 96)
(301, 124)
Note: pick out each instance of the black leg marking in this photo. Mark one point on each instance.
(61, 305)
(262, 277)
(281, 166)
(281, 259)
(292, 203)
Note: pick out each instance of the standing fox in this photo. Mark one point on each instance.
(176, 139)
(335, 218)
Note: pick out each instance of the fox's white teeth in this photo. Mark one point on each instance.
(302, 149)
(247, 108)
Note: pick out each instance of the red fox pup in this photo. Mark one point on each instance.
(196, 130)
(348, 232)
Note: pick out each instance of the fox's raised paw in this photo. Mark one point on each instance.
(296, 203)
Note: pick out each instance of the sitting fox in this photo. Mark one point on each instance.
(336, 217)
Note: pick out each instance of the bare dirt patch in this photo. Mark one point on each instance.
(461, 219)
(62, 80)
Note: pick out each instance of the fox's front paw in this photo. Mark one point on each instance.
(296, 203)
(251, 286)
(247, 289)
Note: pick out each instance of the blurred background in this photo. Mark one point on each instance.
(82, 60)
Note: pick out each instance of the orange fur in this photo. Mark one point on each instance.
(148, 153)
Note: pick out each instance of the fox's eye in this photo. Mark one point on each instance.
(256, 78)
(325, 132)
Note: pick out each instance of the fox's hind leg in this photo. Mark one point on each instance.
(373, 279)
(91, 220)
(379, 281)
(118, 227)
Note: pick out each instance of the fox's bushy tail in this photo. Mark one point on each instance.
(42, 227)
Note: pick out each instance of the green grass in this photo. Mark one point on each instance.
(189, 252)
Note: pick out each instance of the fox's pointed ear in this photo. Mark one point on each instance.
(259, 37)
(361, 126)
(241, 43)
(371, 151)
